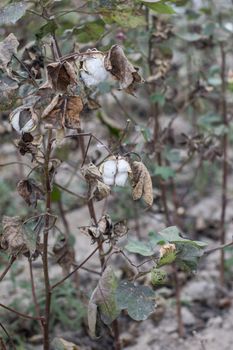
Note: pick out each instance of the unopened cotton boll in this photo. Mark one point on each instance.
(93, 70)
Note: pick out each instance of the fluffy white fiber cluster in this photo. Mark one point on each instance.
(93, 71)
(115, 171)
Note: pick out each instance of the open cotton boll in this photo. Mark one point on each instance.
(93, 70)
(88, 79)
(108, 180)
(23, 120)
(121, 179)
(123, 166)
(110, 168)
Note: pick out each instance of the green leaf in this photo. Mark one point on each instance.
(155, 238)
(90, 31)
(13, 12)
(103, 298)
(127, 18)
(188, 256)
(48, 28)
(172, 235)
(159, 7)
(139, 247)
(56, 194)
(164, 172)
(138, 300)
(158, 98)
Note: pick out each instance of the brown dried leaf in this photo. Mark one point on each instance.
(64, 254)
(12, 238)
(101, 191)
(30, 192)
(8, 47)
(73, 109)
(141, 183)
(97, 188)
(118, 65)
(60, 76)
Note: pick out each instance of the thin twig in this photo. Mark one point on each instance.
(20, 314)
(76, 269)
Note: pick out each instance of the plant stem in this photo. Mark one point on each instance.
(178, 303)
(224, 164)
(37, 307)
(13, 258)
(45, 243)
(20, 314)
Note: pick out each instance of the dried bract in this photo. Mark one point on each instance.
(141, 183)
(12, 238)
(30, 191)
(60, 76)
(8, 47)
(118, 65)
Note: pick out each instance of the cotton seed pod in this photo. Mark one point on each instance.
(23, 119)
(166, 249)
(93, 70)
(115, 171)
(141, 183)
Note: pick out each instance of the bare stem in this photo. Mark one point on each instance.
(13, 258)
(20, 314)
(224, 164)
(37, 307)
(45, 243)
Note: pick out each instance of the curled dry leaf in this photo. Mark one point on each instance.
(23, 119)
(30, 191)
(115, 171)
(93, 69)
(103, 227)
(141, 183)
(101, 191)
(73, 110)
(12, 238)
(60, 76)
(118, 65)
(64, 254)
(64, 111)
(8, 47)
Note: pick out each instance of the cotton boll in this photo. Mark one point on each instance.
(123, 166)
(15, 121)
(88, 79)
(109, 168)
(23, 120)
(121, 179)
(108, 180)
(93, 70)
